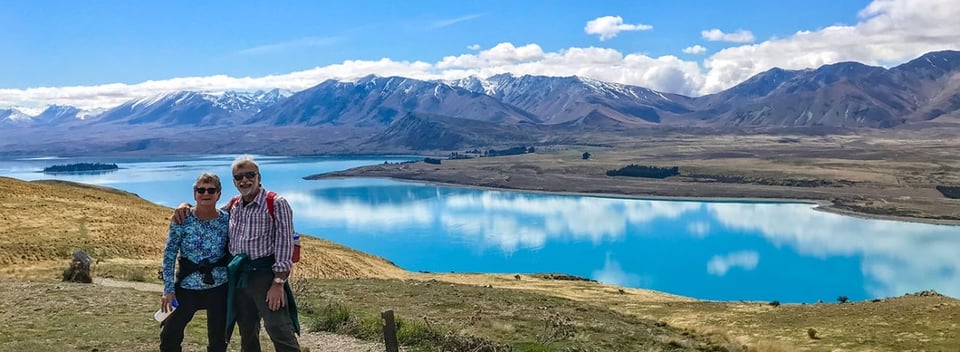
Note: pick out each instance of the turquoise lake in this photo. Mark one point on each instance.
(707, 250)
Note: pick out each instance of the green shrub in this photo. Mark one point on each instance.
(331, 317)
(535, 347)
(414, 332)
(362, 326)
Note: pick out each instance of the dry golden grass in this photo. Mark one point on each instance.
(42, 223)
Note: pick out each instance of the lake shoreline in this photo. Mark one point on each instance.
(635, 188)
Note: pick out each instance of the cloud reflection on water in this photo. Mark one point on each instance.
(746, 260)
(357, 213)
(897, 257)
(612, 273)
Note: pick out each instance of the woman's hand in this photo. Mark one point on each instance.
(166, 302)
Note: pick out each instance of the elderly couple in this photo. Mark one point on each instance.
(233, 262)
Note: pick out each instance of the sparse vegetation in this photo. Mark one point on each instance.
(436, 314)
(414, 334)
(842, 299)
(330, 318)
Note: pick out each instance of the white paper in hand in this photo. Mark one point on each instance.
(160, 316)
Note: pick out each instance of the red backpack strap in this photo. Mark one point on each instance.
(232, 202)
(271, 197)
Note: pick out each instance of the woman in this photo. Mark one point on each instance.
(201, 281)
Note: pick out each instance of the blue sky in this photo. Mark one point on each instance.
(101, 53)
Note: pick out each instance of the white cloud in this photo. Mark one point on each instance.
(716, 35)
(880, 37)
(609, 26)
(696, 49)
(889, 31)
(452, 21)
(473, 47)
(719, 265)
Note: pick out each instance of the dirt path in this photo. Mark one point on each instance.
(315, 341)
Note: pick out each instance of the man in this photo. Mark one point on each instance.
(261, 242)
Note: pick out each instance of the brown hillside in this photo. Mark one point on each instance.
(43, 222)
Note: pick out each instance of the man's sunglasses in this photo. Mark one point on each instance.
(213, 190)
(249, 174)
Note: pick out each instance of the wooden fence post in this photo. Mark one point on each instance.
(390, 331)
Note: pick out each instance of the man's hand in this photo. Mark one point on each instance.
(275, 297)
(181, 213)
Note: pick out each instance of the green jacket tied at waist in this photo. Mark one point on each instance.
(237, 272)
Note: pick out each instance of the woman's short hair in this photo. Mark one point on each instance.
(207, 177)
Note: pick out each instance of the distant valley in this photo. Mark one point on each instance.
(403, 115)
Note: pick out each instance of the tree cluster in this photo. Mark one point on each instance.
(431, 161)
(634, 170)
(457, 156)
(80, 167)
(510, 151)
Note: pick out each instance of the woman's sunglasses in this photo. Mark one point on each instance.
(207, 190)
(249, 174)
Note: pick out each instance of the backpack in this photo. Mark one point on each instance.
(271, 198)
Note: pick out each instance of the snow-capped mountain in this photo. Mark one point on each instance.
(844, 94)
(13, 117)
(56, 115)
(193, 108)
(567, 99)
(398, 113)
(244, 101)
(375, 102)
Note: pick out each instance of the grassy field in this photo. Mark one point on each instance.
(44, 222)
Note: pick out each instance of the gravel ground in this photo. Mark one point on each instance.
(315, 341)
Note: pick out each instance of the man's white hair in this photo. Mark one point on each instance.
(244, 160)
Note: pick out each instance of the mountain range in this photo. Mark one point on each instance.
(386, 114)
